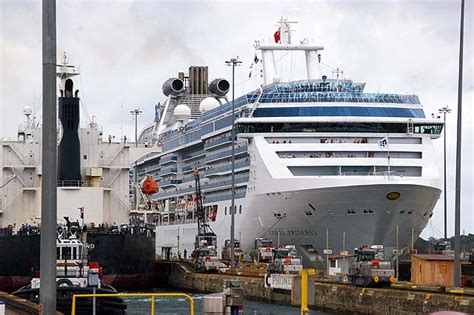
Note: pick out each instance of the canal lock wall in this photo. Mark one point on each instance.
(334, 298)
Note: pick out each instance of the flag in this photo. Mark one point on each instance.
(277, 36)
(81, 212)
(383, 143)
(255, 59)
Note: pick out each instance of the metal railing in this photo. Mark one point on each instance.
(152, 296)
(79, 183)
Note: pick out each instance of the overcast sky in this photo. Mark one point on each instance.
(126, 49)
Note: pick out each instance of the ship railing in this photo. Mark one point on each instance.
(164, 220)
(225, 153)
(238, 164)
(384, 173)
(79, 183)
(217, 142)
(300, 97)
(152, 297)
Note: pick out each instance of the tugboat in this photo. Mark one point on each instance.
(75, 274)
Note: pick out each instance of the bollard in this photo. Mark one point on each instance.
(303, 291)
(213, 304)
(228, 302)
(234, 298)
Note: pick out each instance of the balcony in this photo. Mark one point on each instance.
(168, 171)
(218, 142)
(225, 154)
(227, 168)
(223, 184)
(168, 159)
(169, 183)
(189, 169)
(193, 157)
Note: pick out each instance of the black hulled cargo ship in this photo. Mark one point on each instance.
(126, 255)
(93, 189)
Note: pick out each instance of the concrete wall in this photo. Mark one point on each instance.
(335, 298)
(345, 298)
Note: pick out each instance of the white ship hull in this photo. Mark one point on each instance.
(287, 216)
(351, 210)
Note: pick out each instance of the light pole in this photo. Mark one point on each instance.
(135, 112)
(457, 207)
(445, 110)
(233, 62)
(49, 157)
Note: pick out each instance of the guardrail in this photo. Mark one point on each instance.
(152, 296)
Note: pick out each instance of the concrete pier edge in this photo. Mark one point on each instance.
(16, 305)
(331, 297)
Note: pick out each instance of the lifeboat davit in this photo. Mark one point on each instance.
(149, 186)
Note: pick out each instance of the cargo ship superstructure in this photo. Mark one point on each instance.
(316, 160)
(93, 190)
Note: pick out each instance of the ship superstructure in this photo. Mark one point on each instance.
(313, 157)
(93, 171)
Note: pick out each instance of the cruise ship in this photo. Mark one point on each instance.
(319, 163)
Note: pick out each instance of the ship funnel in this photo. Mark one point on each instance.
(69, 160)
(173, 86)
(219, 87)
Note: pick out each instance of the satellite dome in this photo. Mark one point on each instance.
(208, 103)
(182, 112)
(27, 110)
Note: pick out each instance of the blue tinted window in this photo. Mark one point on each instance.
(339, 111)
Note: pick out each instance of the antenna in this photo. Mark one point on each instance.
(66, 71)
(338, 72)
(283, 42)
(285, 30)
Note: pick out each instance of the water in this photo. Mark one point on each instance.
(179, 306)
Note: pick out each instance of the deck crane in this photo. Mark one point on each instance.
(205, 246)
(205, 234)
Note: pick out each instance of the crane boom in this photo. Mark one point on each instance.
(205, 233)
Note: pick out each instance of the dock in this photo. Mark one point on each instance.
(329, 296)
(18, 306)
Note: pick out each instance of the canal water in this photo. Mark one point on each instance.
(179, 306)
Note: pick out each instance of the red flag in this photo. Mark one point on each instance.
(277, 36)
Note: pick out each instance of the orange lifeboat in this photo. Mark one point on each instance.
(149, 186)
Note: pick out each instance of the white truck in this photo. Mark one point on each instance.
(369, 270)
(263, 250)
(285, 261)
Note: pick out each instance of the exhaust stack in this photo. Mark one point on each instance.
(69, 153)
(219, 87)
(173, 86)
